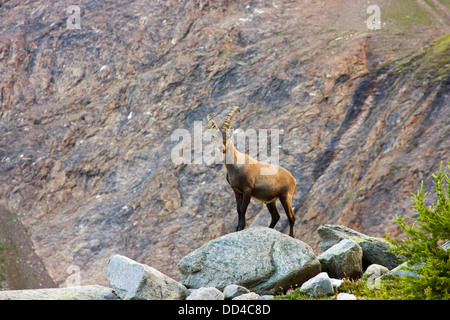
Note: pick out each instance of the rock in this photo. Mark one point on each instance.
(336, 283)
(260, 259)
(135, 281)
(401, 271)
(319, 285)
(267, 296)
(374, 249)
(248, 296)
(374, 271)
(345, 296)
(206, 293)
(188, 292)
(91, 292)
(19, 269)
(342, 260)
(233, 290)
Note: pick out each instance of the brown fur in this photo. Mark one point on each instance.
(245, 178)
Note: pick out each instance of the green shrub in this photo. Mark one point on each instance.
(424, 242)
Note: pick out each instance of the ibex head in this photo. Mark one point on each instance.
(225, 131)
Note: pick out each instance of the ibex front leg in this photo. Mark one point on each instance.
(242, 208)
(238, 197)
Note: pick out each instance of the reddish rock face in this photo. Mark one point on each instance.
(86, 118)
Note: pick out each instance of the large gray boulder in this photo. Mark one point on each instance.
(260, 259)
(374, 249)
(92, 292)
(136, 281)
(343, 260)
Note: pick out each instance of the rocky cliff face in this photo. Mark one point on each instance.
(87, 116)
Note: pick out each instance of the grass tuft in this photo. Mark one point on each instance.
(391, 288)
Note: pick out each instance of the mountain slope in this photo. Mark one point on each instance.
(87, 117)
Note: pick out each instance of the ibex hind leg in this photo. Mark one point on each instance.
(272, 207)
(286, 202)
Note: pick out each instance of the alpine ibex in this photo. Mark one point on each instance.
(250, 178)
